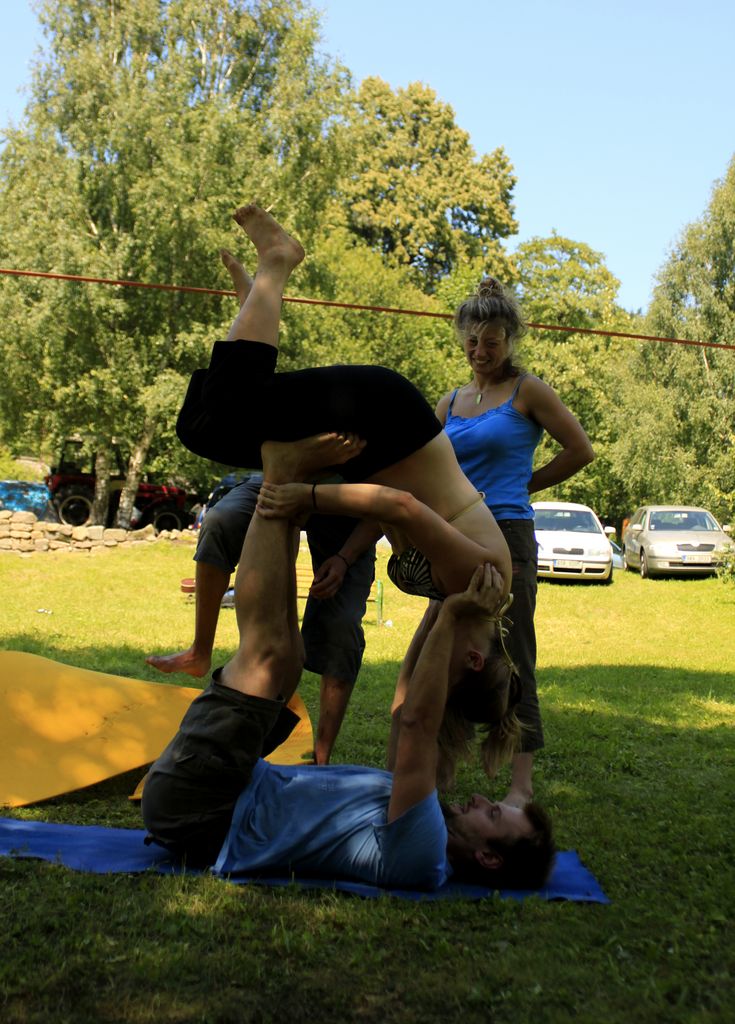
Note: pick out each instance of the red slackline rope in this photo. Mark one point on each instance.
(357, 306)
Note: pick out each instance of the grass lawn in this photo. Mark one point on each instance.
(638, 696)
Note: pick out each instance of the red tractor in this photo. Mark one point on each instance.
(72, 481)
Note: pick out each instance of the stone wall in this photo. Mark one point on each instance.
(24, 533)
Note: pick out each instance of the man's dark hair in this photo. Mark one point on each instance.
(527, 861)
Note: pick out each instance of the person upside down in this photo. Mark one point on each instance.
(402, 476)
(212, 799)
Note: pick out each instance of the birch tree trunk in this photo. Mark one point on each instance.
(101, 503)
(135, 468)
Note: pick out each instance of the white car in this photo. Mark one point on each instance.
(572, 543)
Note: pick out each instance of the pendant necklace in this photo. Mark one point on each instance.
(479, 397)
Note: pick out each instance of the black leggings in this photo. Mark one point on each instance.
(521, 642)
(240, 401)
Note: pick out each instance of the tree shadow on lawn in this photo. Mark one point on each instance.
(115, 659)
(635, 758)
(637, 773)
(631, 574)
(594, 714)
(607, 723)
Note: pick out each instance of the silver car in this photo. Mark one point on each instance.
(674, 539)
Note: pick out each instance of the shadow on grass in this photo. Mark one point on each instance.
(632, 734)
(638, 774)
(584, 707)
(656, 578)
(115, 659)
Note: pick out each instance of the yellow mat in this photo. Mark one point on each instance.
(63, 728)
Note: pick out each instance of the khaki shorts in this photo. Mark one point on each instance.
(191, 790)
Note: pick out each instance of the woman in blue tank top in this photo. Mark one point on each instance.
(495, 423)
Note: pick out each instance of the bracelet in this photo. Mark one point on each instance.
(313, 496)
(338, 555)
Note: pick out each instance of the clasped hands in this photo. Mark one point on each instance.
(283, 501)
(484, 596)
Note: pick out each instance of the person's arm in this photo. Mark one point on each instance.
(330, 574)
(543, 404)
(363, 501)
(414, 775)
(404, 676)
(452, 555)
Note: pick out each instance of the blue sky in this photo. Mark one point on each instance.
(617, 118)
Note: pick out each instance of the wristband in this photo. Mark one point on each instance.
(338, 555)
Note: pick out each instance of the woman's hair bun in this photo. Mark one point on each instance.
(491, 303)
(490, 286)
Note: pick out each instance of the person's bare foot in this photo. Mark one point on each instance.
(274, 245)
(287, 461)
(242, 281)
(189, 661)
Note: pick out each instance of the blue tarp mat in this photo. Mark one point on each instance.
(102, 850)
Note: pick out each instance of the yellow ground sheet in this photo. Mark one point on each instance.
(63, 728)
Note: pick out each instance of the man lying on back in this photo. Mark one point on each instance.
(212, 799)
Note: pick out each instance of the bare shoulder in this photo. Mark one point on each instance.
(442, 406)
(534, 393)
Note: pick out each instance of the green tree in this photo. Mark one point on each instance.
(566, 283)
(343, 269)
(686, 395)
(415, 190)
(147, 120)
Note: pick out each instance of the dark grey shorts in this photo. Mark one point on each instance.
(332, 630)
(191, 790)
(521, 539)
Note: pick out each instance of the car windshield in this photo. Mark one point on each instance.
(575, 520)
(697, 519)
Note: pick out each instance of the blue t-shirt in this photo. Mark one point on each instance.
(330, 822)
(495, 451)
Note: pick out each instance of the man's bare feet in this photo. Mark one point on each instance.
(242, 281)
(274, 245)
(287, 461)
(189, 661)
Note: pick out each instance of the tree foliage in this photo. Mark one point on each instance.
(566, 283)
(679, 401)
(419, 347)
(147, 121)
(415, 190)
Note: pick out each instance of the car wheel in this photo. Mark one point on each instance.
(74, 505)
(645, 574)
(166, 519)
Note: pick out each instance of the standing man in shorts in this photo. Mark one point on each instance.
(333, 636)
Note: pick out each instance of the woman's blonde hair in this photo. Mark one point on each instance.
(493, 303)
(486, 699)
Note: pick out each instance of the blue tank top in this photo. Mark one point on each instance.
(495, 451)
